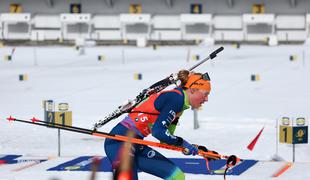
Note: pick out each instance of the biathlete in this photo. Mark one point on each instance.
(158, 115)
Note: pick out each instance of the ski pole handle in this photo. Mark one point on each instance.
(211, 56)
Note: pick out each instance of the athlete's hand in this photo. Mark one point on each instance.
(203, 148)
(189, 149)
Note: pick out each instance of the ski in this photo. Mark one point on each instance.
(155, 88)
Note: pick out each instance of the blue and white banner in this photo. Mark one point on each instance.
(188, 165)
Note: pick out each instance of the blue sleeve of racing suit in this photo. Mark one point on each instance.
(168, 104)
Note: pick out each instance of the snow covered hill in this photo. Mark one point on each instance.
(237, 110)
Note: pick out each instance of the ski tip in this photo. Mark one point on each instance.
(11, 118)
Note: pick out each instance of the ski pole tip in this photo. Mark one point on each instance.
(34, 120)
(11, 118)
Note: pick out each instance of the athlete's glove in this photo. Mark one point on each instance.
(203, 148)
(189, 149)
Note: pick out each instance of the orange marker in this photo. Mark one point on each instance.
(283, 169)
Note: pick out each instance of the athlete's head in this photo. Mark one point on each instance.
(196, 85)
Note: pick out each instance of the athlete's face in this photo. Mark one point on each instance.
(197, 97)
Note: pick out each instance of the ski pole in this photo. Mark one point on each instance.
(211, 56)
(230, 160)
(38, 122)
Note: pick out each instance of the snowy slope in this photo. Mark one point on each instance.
(237, 109)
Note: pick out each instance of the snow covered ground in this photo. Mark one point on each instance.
(237, 109)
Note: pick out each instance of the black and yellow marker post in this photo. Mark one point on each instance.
(101, 57)
(7, 58)
(23, 77)
(63, 117)
(138, 76)
(255, 77)
(293, 132)
(293, 57)
(196, 57)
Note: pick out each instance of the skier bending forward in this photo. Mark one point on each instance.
(158, 115)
